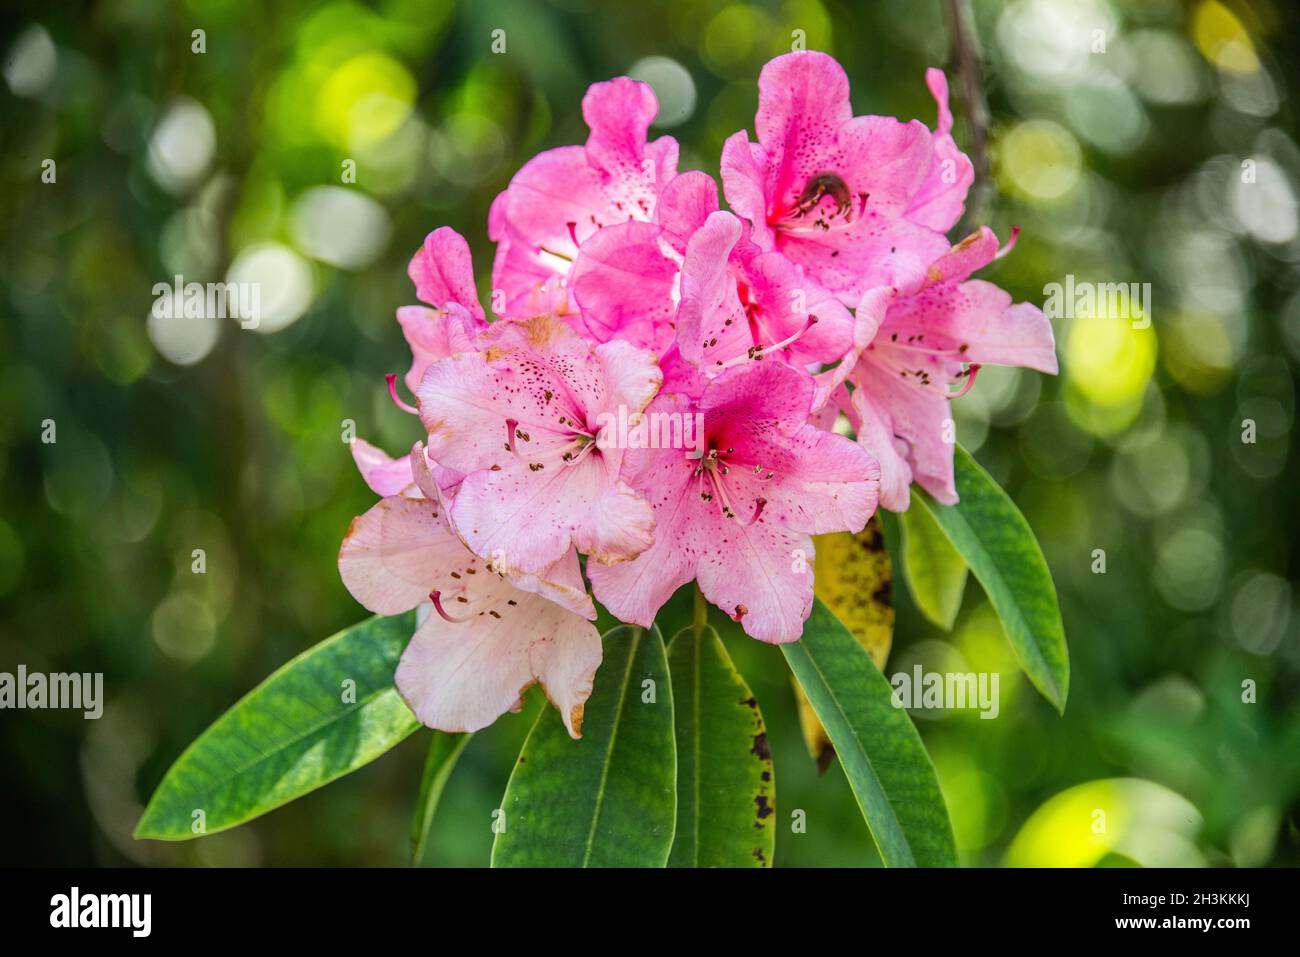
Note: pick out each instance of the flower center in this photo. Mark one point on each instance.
(919, 376)
(456, 603)
(712, 471)
(570, 453)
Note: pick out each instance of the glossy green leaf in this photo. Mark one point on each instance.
(997, 543)
(325, 713)
(936, 573)
(878, 747)
(444, 749)
(609, 799)
(725, 789)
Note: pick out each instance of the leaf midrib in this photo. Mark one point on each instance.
(893, 817)
(698, 640)
(221, 783)
(609, 749)
(978, 549)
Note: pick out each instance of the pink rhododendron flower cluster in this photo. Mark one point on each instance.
(729, 340)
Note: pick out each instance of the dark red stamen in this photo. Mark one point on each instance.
(435, 596)
(398, 400)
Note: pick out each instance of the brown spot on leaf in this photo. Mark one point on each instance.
(824, 758)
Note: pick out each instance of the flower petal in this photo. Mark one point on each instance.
(743, 165)
(619, 113)
(918, 416)
(523, 520)
(764, 580)
(867, 319)
(384, 474)
(443, 272)
(941, 200)
(875, 433)
(711, 324)
(397, 552)
(873, 250)
(978, 319)
(434, 335)
(684, 205)
(624, 284)
(462, 676)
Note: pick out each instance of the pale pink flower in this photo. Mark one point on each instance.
(485, 638)
(518, 419)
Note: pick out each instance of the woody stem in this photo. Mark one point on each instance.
(966, 54)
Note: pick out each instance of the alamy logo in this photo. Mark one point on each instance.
(213, 300)
(103, 910)
(36, 690)
(939, 690)
(1105, 300)
(652, 430)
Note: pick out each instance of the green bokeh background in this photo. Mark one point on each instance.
(1149, 142)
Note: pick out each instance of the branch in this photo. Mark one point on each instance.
(968, 70)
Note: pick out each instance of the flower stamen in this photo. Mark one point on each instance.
(435, 596)
(971, 371)
(756, 351)
(397, 399)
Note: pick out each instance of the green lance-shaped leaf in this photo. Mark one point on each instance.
(609, 799)
(325, 713)
(444, 749)
(878, 747)
(936, 573)
(996, 542)
(725, 790)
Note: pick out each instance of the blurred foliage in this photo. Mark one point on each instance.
(1146, 141)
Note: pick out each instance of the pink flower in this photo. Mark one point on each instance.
(859, 202)
(564, 195)
(930, 343)
(739, 517)
(519, 419)
(650, 307)
(487, 637)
